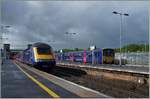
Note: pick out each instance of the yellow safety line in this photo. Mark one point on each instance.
(50, 92)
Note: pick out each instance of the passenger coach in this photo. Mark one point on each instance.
(99, 56)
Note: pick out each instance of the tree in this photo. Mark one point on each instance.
(133, 48)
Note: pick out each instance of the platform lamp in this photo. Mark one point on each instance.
(69, 33)
(121, 14)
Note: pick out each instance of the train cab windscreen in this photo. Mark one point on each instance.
(44, 51)
(108, 52)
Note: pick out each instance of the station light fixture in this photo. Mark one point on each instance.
(121, 14)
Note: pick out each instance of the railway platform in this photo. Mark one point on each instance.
(16, 84)
(124, 68)
(18, 81)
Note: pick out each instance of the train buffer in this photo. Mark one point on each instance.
(19, 81)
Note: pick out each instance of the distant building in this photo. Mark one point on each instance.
(14, 52)
(6, 51)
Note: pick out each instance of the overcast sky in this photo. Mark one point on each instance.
(92, 21)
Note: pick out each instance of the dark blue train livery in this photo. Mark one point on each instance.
(39, 54)
(99, 56)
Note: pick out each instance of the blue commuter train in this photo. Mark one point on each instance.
(39, 54)
(99, 56)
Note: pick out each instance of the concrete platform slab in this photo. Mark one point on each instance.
(15, 84)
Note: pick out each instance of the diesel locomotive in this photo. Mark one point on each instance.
(39, 54)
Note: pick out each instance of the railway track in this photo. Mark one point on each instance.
(71, 87)
(119, 88)
(109, 67)
(113, 87)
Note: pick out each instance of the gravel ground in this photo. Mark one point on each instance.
(113, 87)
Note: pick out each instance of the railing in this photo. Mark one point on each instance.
(136, 58)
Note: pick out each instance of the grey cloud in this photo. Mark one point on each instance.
(93, 22)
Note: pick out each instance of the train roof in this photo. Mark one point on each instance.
(90, 50)
(43, 45)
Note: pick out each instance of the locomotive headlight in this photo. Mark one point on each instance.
(39, 60)
(36, 60)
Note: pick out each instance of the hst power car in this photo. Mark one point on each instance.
(39, 54)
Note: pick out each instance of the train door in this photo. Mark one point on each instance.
(71, 57)
(32, 59)
(84, 57)
(62, 55)
(78, 56)
(96, 56)
(108, 56)
(66, 56)
(100, 56)
(89, 56)
(28, 56)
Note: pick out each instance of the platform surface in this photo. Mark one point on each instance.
(15, 84)
(126, 68)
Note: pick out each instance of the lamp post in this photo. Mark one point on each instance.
(68, 33)
(121, 14)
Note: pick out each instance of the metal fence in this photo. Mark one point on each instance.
(136, 58)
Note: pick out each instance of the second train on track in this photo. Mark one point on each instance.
(99, 56)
